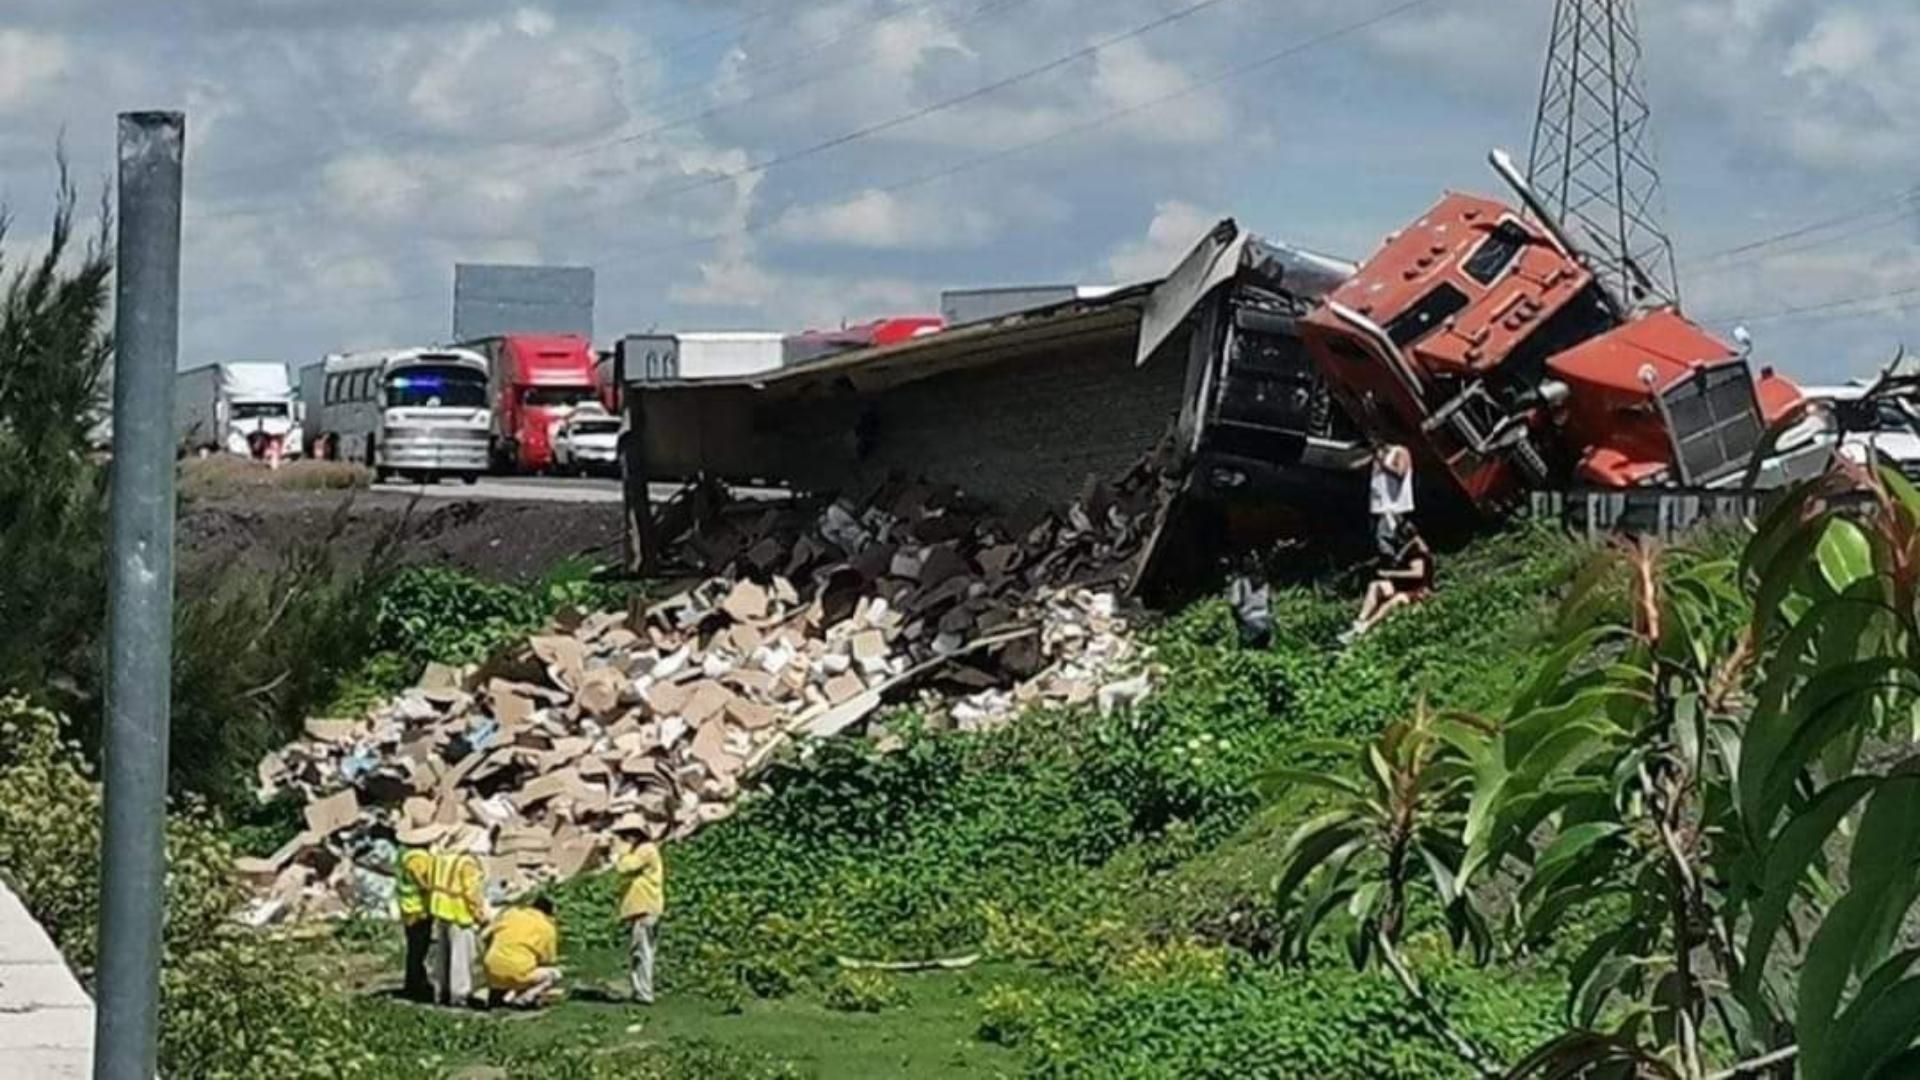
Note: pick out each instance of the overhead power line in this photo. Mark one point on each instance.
(1843, 306)
(1877, 223)
(979, 161)
(1877, 206)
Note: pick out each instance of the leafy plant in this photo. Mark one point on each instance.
(1699, 762)
(1398, 823)
(433, 613)
(231, 1005)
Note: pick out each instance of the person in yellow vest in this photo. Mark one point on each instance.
(522, 946)
(458, 903)
(412, 881)
(641, 906)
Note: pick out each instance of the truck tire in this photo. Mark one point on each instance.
(469, 479)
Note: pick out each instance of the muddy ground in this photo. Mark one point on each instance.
(497, 540)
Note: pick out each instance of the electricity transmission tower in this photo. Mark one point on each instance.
(1592, 159)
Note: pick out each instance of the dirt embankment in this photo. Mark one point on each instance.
(495, 539)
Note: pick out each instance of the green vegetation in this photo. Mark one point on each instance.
(1690, 769)
(228, 1007)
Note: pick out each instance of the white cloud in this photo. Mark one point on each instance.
(1129, 77)
(29, 63)
(883, 220)
(1175, 228)
(533, 22)
(1832, 91)
(516, 80)
(735, 281)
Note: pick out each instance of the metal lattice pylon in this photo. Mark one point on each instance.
(1592, 160)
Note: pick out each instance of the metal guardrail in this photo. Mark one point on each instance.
(1658, 512)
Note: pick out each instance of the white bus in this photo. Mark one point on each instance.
(418, 413)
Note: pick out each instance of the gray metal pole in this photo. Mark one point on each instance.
(140, 596)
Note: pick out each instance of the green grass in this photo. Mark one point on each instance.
(931, 1036)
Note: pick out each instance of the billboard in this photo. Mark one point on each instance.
(492, 299)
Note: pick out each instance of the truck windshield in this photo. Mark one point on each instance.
(431, 386)
(556, 396)
(259, 410)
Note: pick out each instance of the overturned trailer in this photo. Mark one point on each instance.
(1204, 366)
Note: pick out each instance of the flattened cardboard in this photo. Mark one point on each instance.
(600, 690)
(843, 688)
(543, 788)
(333, 731)
(707, 700)
(565, 658)
(869, 645)
(746, 603)
(668, 698)
(333, 813)
(751, 715)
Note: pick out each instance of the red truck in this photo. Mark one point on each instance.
(1478, 337)
(535, 380)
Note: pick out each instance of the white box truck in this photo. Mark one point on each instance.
(244, 408)
(728, 353)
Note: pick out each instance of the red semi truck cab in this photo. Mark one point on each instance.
(535, 381)
(1475, 337)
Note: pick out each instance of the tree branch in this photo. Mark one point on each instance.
(1758, 1065)
(1455, 1041)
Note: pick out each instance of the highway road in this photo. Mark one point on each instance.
(559, 489)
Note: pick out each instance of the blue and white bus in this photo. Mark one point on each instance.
(416, 413)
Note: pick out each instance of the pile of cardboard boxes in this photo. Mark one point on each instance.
(651, 722)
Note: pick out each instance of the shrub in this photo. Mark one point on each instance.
(432, 613)
(253, 657)
(865, 991)
(231, 1005)
(53, 351)
(1185, 1020)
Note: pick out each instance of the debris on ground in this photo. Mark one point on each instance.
(652, 721)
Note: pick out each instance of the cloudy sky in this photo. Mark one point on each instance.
(775, 164)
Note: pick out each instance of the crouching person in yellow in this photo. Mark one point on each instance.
(640, 908)
(522, 946)
(458, 903)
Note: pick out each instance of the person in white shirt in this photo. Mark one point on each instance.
(1252, 601)
(1390, 495)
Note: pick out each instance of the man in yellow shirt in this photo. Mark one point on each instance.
(412, 881)
(640, 908)
(457, 901)
(522, 945)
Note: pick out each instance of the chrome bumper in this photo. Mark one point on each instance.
(435, 451)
